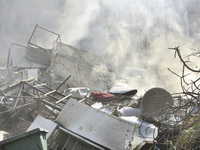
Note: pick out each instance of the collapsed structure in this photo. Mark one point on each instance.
(57, 90)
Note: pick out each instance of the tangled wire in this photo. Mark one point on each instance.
(181, 129)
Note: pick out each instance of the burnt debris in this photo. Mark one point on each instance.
(53, 92)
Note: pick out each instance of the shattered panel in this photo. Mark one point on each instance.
(38, 55)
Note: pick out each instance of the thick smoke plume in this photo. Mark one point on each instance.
(131, 33)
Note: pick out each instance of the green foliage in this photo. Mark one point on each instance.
(189, 139)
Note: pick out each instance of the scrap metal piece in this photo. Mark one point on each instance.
(154, 104)
(97, 126)
(60, 137)
(80, 92)
(41, 122)
(63, 82)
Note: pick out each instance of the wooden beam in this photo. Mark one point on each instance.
(56, 92)
(54, 106)
(41, 91)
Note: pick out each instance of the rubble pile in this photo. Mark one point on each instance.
(88, 113)
(49, 101)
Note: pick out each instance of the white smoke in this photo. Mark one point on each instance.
(19, 17)
(131, 33)
(76, 18)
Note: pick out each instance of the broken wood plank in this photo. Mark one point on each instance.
(49, 92)
(39, 85)
(82, 100)
(63, 98)
(29, 80)
(56, 92)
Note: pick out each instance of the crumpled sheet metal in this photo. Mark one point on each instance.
(80, 92)
(107, 130)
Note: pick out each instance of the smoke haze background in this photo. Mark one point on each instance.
(131, 33)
